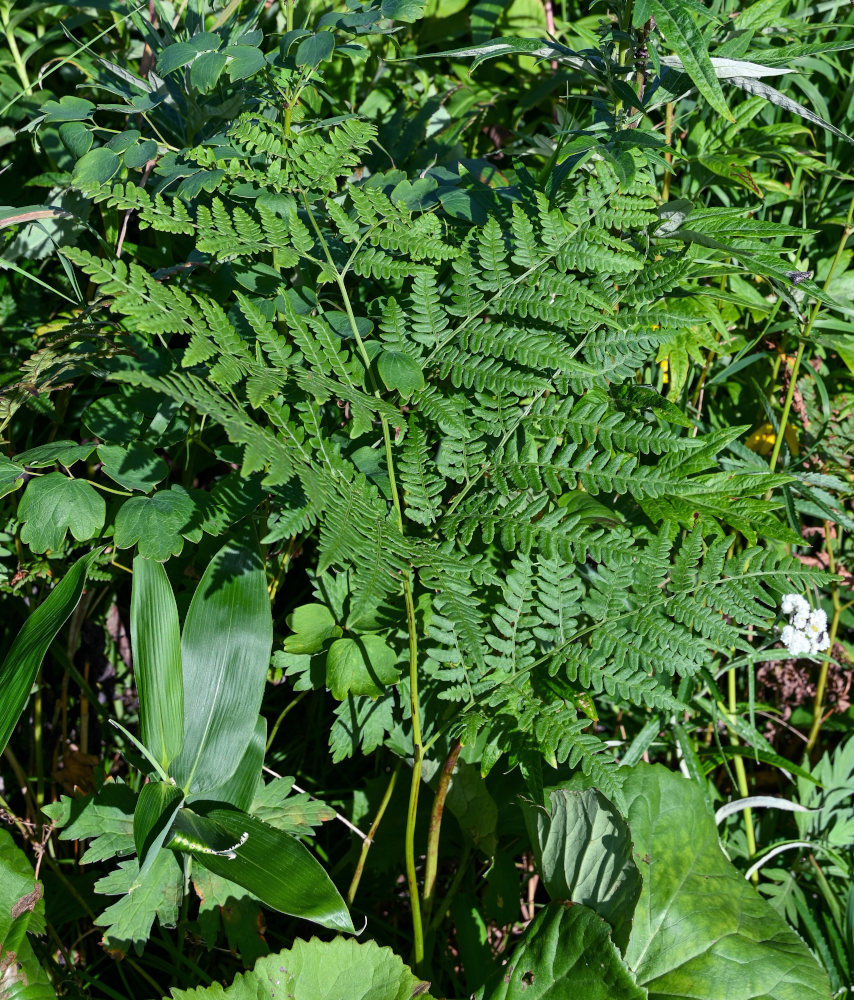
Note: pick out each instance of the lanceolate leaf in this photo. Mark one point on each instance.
(225, 647)
(684, 36)
(760, 89)
(156, 642)
(239, 790)
(278, 869)
(156, 808)
(22, 662)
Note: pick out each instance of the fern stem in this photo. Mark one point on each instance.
(821, 685)
(368, 841)
(417, 743)
(414, 788)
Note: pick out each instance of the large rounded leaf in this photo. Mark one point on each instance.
(321, 970)
(566, 953)
(583, 850)
(701, 931)
(225, 648)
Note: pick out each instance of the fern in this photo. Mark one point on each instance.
(457, 410)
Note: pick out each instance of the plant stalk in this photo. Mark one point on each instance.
(368, 841)
(432, 860)
(821, 686)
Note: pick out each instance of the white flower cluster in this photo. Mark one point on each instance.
(806, 633)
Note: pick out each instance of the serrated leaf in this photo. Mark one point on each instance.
(11, 476)
(321, 970)
(106, 817)
(21, 912)
(53, 505)
(294, 814)
(128, 922)
(135, 467)
(156, 524)
(678, 28)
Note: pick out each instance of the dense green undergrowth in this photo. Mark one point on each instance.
(426, 432)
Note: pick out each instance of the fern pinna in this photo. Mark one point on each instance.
(456, 411)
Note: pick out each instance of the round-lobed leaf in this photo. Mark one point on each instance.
(700, 929)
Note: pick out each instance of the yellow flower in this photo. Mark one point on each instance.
(762, 440)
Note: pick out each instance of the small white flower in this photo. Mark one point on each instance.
(817, 622)
(795, 641)
(801, 619)
(793, 604)
(820, 643)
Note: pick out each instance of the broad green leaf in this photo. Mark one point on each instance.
(680, 31)
(157, 524)
(53, 505)
(240, 789)
(312, 625)
(566, 953)
(140, 153)
(407, 11)
(244, 61)
(321, 970)
(128, 922)
(360, 666)
(21, 664)
(106, 817)
(700, 929)
(21, 911)
(276, 868)
(96, 167)
(76, 138)
(315, 49)
(225, 648)
(136, 467)
(175, 56)
(583, 850)
(156, 808)
(205, 71)
(67, 109)
(399, 371)
(11, 476)
(156, 644)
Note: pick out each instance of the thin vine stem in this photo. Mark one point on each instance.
(821, 684)
(372, 832)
